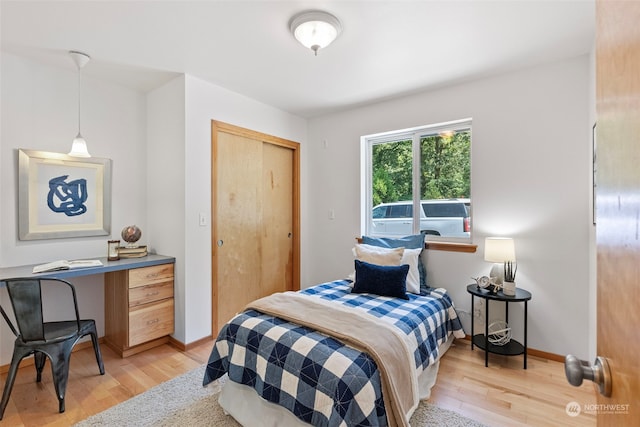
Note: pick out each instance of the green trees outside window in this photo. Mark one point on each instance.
(445, 168)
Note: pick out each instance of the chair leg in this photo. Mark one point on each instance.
(18, 354)
(96, 349)
(40, 360)
(60, 357)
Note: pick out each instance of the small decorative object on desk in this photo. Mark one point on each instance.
(112, 252)
(509, 284)
(131, 234)
(135, 252)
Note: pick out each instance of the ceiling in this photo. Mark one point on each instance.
(387, 48)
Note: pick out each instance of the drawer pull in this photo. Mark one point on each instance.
(151, 294)
(154, 321)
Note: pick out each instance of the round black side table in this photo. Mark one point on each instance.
(513, 347)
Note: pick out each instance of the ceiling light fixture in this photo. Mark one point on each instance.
(315, 29)
(79, 145)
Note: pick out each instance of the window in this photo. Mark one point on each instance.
(418, 180)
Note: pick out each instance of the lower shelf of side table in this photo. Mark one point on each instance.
(512, 348)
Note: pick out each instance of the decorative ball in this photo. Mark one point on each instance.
(131, 234)
(499, 333)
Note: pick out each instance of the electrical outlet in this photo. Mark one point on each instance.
(202, 220)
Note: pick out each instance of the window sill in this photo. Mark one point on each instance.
(451, 247)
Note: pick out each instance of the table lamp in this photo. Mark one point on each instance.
(499, 250)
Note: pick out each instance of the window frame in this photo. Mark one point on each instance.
(414, 134)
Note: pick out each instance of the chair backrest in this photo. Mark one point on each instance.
(26, 299)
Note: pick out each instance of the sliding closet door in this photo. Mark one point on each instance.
(237, 218)
(255, 218)
(277, 219)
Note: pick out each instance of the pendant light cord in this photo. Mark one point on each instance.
(79, 93)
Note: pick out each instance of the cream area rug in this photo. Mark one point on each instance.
(183, 401)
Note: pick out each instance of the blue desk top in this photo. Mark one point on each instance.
(107, 266)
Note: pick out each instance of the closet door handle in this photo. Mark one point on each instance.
(220, 243)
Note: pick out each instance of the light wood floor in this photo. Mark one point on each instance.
(501, 395)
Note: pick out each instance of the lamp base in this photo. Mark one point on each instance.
(497, 273)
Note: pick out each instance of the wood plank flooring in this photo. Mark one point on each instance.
(501, 395)
(504, 394)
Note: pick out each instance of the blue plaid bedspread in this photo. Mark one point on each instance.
(316, 377)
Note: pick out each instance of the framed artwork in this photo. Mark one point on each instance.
(60, 196)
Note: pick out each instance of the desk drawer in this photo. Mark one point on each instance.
(150, 275)
(150, 321)
(150, 293)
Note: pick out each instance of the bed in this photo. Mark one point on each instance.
(272, 360)
(358, 351)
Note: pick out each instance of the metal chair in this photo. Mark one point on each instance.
(53, 340)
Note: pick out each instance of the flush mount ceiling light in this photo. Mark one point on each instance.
(79, 145)
(315, 29)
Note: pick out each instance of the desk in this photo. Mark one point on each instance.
(138, 299)
(107, 267)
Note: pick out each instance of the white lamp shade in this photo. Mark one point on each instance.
(315, 29)
(499, 249)
(79, 147)
(315, 33)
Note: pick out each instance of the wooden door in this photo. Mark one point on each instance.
(618, 206)
(255, 205)
(277, 219)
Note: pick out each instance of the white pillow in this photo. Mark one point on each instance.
(377, 255)
(412, 257)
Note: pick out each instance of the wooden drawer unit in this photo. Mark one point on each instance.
(139, 308)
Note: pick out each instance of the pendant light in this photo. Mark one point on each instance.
(315, 29)
(79, 145)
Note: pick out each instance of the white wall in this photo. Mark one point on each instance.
(203, 102)
(531, 176)
(165, 197)
(530, 180)
(39, 111)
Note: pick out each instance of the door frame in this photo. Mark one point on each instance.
(216, 127)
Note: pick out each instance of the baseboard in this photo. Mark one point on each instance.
(185, 347)
(533, 352)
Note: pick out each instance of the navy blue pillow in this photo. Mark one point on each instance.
(383, 280)
(410, 242)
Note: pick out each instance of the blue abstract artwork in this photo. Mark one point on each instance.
(67, 197)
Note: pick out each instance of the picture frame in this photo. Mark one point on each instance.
(60, 196)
